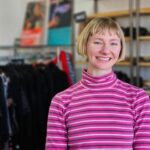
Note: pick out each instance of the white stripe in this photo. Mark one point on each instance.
(76, 103)
(50, 117)
(137, 108)
(138, 133)
(145, 112)
(96, 142)
(98, 107)
(51, 143)
(55, 137)
(58, 104)
(100, 135)
(100, 94)
(138, 101)
(125, 92)
(99, 114)
(142, 126)
(142, 139)
(49, 130)
(78, 129)
(143, 119)
(52, 123)
(93, 121)
(142, 147)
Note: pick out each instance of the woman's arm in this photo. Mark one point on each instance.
(142, 121)
(56, 138)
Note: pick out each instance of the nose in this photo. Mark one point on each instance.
(105, 48)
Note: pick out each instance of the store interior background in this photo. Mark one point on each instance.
(36, 87)
(12, 15)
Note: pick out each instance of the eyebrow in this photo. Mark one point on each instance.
(97, 38)
(115, 40)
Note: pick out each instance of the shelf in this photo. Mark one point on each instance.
(144, 11)
(123, 63)
(144, 64)
(110, 14)
(80, 62)
(121, 13)
(126, 63)
(141, 38)
(144, 38)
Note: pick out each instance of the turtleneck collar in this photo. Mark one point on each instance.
(98, 82)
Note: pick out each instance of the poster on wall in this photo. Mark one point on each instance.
(32, 33)
(59, 23)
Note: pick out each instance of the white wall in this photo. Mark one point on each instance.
(12, 14)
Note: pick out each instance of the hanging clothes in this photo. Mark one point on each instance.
(31, 89)
(5, 129)
(65, 61)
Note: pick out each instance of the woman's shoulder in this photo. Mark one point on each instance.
(129, 87)
(64, 98)
(69, 91)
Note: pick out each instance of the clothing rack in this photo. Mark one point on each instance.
(30, 52)
(60, 55)
(30, 100)
(34, 47)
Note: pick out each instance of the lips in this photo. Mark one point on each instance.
(103, 58)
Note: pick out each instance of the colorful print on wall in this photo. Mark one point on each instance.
(32, 33)
(59, 24)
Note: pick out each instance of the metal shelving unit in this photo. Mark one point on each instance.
(139, 39)
(117, 14)
(134, 64)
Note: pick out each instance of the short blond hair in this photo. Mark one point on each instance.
(98, 25)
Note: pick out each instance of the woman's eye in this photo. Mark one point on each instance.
(114, 44)
(97, 42)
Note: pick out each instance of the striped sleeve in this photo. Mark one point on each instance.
(56, 138)
(142, 121)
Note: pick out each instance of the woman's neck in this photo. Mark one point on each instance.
(98, 72)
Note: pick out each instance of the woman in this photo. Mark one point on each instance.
(100, 112)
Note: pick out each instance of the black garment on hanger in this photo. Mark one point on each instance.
(32, 89)
(4, 130)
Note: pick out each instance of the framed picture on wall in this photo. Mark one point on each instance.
(33, 26)
(60, 22)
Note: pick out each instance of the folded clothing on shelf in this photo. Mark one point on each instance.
(124, 77)
(142, 31)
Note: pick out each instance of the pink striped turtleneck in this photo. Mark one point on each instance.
(98, 82)
(99, 113)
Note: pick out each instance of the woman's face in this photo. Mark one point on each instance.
(103, 51)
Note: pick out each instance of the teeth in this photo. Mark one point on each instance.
(102, 58)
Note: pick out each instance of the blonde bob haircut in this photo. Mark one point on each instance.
(99, 25)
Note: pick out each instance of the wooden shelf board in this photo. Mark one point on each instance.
(145, 11)
(127, 38)
(141, 38)
(80, 62)
(120, 13)
(110, 14)
(124, 63)
(144, 38)
(144, 64)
